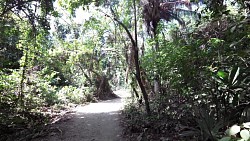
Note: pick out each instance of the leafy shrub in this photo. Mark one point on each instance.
(237, 133)
(135, 118)
(70, 94)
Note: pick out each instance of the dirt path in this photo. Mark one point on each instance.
(93, 122)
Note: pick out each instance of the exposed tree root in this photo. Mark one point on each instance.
(104, 90)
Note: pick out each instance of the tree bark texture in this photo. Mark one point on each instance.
(136, 56)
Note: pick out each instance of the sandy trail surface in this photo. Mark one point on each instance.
(93, 122)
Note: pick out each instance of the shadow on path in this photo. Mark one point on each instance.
(93, 122)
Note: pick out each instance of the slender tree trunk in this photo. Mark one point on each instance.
(85, 74)
(136, 55)
(21, 92)
(156, 75)
(137, 65)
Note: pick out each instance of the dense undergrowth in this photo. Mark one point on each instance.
(50, 88)
(204, 89)
(195, 74)
(50, 77)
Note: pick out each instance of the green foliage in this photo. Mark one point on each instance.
(135, 118)
(9, 53)
(69, 94)
(205, 66)
(72, 5)
(236, 132)
(234, 83)
(8, 89)
(206, 70)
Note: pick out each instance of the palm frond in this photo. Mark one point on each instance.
(154, 11)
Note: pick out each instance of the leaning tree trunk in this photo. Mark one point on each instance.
(137, 64)
(136, 55)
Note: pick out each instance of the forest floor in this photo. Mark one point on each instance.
(94, 122)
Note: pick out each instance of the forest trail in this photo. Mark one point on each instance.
(93, 122)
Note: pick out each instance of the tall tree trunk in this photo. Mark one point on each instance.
(136, 55)
(156, 75)
(137, 64)
(21, 92)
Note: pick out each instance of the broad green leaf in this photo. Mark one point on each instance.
(236, 75)
(225, 139)
(232, 74)
(233, 44)
(233, 29)
(244, 134)
(215, 41)
(234, 130)
(222, 74)
(246, 125)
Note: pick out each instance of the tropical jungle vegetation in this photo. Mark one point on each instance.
(186, 62)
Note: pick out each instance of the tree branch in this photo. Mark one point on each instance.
(122, 24)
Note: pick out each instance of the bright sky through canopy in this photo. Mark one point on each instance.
(80, 15)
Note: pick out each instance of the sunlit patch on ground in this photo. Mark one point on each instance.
(108, 106)
(93, 122)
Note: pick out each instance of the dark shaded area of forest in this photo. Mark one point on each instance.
(187, 64)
